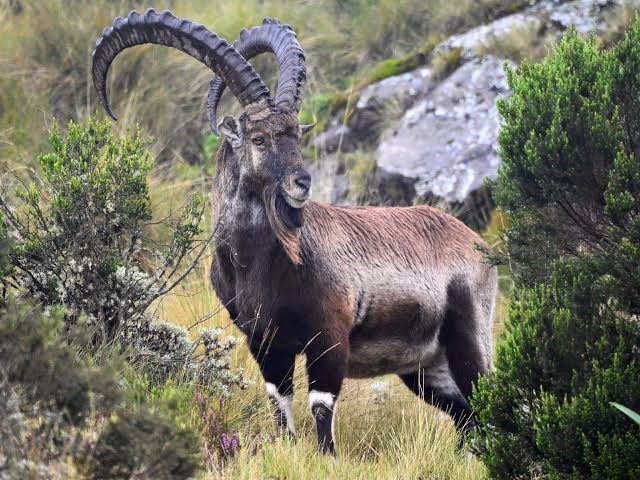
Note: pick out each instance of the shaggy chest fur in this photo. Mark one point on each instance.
(266, 295)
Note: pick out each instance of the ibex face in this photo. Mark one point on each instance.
(268, 144)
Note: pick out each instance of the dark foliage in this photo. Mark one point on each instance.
(141, 444)
(571, 188)
(51, 397)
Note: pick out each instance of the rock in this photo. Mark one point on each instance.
(405, 88)
(473, 43)
(551, 17)
(446, 143)
(337, 136)
(371, 112)
(330, 183)
(435, 140)
(585, 16)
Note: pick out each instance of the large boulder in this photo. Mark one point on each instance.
(433, 137)
(447, 142)
(371, 109)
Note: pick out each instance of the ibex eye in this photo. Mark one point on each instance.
(258, 140)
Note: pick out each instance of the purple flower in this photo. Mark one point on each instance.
(234, 442)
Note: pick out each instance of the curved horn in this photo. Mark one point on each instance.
(272, 36)
(190, 37)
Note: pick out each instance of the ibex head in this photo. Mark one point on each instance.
(268, 146)
(266, 137)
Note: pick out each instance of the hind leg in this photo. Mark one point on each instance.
(465, 338)
(437, 386)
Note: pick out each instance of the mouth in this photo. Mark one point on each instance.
(297, 201)
(290, 209)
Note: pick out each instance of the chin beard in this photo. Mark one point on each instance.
(285, 222)
(292, 217)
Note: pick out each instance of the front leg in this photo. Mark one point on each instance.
(326, 368)
(277, 369)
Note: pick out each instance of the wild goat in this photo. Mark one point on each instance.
(360, 291)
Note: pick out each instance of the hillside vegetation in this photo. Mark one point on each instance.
(46, 51)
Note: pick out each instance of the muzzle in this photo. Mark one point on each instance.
(296, 188)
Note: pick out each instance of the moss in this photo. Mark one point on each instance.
(397, 66)
(316, 109)
(445, 62)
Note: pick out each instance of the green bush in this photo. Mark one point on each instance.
(570, 186)
(82, 230)
(83, 238)
(141, 444)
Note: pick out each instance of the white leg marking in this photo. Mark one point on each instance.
(284, 404)
(328, 400)
(318, 398)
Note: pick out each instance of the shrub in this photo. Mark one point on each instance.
(82, 232)
(52, 398)
(83, 239)
(141, 444)
(163, 351)
(570, 185)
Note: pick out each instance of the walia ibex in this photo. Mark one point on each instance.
(359, 291)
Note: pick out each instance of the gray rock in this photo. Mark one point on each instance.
(329, 184)
(447, 142)
(437, 140)
(585, 15)
(371, 112)
(551, 16)
(405, 87)
(477, 40)
(337, 136)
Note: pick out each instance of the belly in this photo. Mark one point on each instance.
(370, 358)
(396, 333)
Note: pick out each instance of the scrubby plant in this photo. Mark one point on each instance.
(570, 186)
(141, 444)
(164, 350)
(83, 238)
(64, 416)
(82, 230)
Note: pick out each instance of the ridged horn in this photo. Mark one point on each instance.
(187, 36)
(272, 36)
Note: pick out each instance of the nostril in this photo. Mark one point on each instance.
(303, 181)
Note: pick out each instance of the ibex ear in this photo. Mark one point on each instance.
(304, 129)
(232, 131)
